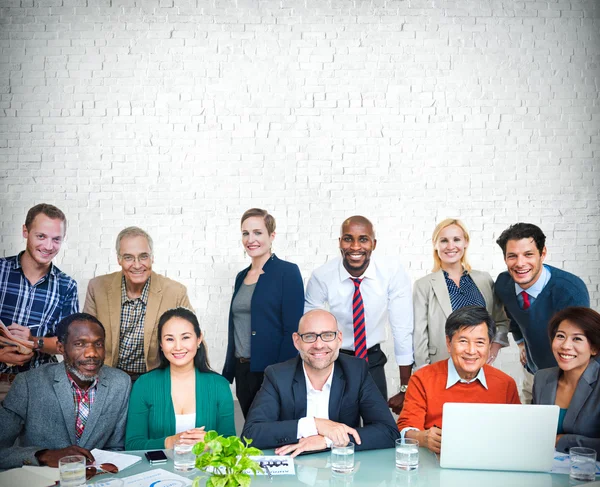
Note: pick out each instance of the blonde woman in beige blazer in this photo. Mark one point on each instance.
(432, 301)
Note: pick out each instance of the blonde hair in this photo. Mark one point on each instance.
(437, 263)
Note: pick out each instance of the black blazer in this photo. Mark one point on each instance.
(273, 418)
(276, 308)
(582, 421)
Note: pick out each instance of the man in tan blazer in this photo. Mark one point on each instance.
(129, 303)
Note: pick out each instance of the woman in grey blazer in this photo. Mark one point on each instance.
(573, 385)
(451, 285)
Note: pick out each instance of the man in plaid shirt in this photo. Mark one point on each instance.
(35, 294)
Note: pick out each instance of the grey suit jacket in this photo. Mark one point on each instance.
(39, 411)
(103, 300)
(431, 306)
(582, 421)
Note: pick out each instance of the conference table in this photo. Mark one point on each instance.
(373, 468)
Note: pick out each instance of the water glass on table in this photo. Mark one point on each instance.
(342, 458)
(407, 454)
(184, 459)
(583, 463)
(72, 471)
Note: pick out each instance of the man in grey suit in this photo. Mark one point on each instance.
(67, 408)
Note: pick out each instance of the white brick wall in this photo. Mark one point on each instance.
(177, 115)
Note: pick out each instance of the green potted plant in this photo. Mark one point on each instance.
(226, 460)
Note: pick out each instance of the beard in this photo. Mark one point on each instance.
(81, 376)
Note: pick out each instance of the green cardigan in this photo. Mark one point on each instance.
(151, 417)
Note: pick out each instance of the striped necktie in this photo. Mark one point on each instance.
(358, 317)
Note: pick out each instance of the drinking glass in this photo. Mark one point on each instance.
(342, 458)
(72, 471)
(407, 454)
(583, 463)
(184, 459)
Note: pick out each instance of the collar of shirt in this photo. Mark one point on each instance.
(453, 376)
(76, 387)
(17, 265)
(539, 285)
(309, 387)
(370, 272)
(447, 276)
(143, 297)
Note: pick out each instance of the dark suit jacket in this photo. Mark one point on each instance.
(40, 413)
(582, 421)
(276, 308)
(273, 418)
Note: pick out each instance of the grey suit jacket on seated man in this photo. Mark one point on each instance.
(39, 415)
(281, 402)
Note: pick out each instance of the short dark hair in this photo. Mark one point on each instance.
(585, 318)
(62, 329)
(520, 231)
(201, 358)
(50, 211)
(469, 316)
(264, 214)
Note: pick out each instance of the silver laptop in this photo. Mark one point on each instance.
(498, 436)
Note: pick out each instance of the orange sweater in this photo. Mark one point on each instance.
(427, 394)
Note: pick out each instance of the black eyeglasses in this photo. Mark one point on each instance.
(326, 336)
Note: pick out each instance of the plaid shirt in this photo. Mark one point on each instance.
(131, 344)
(83, 399)
(39, 306)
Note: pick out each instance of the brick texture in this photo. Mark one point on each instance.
(178, 115)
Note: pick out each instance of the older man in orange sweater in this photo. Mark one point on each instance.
(464, 377)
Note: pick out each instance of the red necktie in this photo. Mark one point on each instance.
(358, 313)
(526, 302)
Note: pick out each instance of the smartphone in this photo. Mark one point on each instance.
(156, 457)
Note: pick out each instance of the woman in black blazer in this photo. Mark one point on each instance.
(267, 303)
(574, 385)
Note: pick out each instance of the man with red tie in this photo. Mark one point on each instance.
(532, 292)
(364, 294)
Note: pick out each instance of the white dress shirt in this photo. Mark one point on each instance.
(386, 294)
(317, 406)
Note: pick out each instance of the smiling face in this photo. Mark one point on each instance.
(524, 261)
(135, 258)
(357, 242)
(179, 342)
(571, 348)
(255, 237)
(451, 245)
(318, 355)
(469, 349)
(44, 239)
(84, 351)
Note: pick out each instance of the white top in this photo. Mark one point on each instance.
(387, 296)
(184, 422)
(317, 406)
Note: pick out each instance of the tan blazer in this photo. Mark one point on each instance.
(103, 300)
(431, 305)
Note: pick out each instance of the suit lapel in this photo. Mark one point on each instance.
(114, 312)
(440, 290)
(548, 395)
(299, 391)
(64, 396)
(582, 392)
(151, 318)
(95, 411)
(338, 388)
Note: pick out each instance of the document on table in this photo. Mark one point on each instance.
(271, 465)
(156, 476)
(562, 464)
(121, 460)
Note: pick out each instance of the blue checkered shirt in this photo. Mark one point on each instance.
(39, 306)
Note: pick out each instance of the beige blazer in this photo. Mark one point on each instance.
(431, 305)
(103, 300)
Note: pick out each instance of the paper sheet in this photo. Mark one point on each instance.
(156, 477)
(121, 460)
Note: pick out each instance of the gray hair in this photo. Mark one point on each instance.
(133, 232)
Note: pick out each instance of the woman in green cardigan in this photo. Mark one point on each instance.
(162, 408)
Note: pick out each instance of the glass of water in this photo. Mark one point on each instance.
(184, 459)
(72, 471)
(583, 463)
(342, 458)
(407, 454)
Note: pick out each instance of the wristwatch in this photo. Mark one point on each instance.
(38, 344)
(403, 388)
